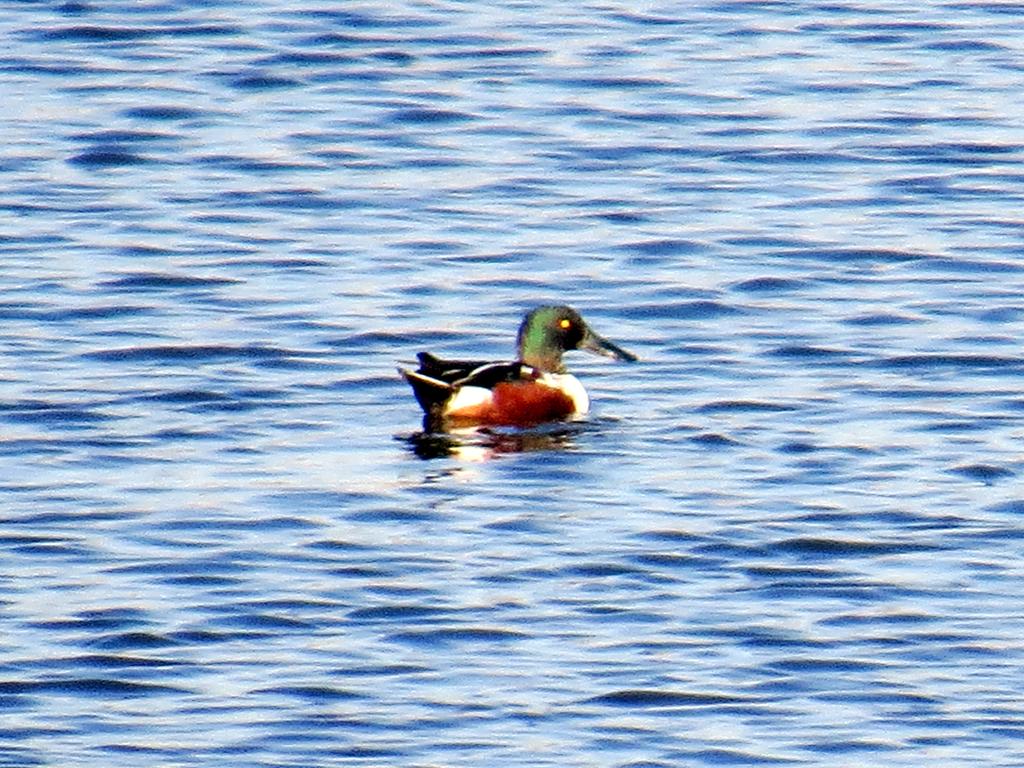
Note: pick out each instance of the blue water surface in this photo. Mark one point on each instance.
(790, 535)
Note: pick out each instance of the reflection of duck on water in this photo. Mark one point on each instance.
(484, 444)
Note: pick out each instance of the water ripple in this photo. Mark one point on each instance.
(790, 532)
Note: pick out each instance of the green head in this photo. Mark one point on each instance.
(547, 332)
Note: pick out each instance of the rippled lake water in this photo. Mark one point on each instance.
(790, 535)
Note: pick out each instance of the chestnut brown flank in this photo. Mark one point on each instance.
(517, 403)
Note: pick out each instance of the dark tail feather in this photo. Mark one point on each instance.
(430, 393)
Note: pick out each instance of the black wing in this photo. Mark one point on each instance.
(472, 373)
(436, 380)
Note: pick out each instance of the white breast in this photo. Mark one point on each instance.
(570, 385)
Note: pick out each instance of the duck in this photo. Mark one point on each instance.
(533, 389)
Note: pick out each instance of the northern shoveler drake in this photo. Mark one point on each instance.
(532, 389)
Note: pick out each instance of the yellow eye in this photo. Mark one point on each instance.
(563, 323)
